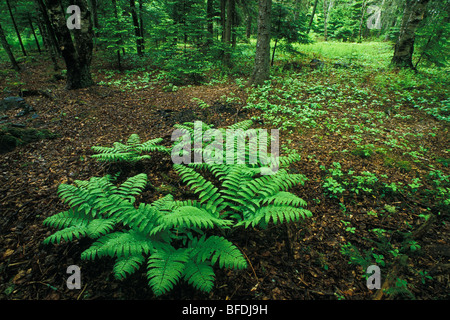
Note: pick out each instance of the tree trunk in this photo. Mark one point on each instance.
(7, 48)
(116, 14)
(48, 43)
(15, 28)
(93, 8)
(363, 11)
(223, 14)
(137, 32)
(141, 26)
(53, 41)
(261, 70)
(326, 14)
(312, 16)
(404, 48)
(228, 30)
(33, 32)
(209, 18)
(77, 54)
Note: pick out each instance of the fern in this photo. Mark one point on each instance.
(248, 197)
(167, 234)
(165, 268)
(129, 152)
(251, 193)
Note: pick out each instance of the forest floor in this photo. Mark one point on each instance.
(308, 260)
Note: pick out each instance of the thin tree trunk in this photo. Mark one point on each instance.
(33, 32)
(46, 40)
(261, 71)
(312, 16)
(276, 39)
(223, 14)
(49, 28)
(209, 18)
(94, 16)
(228, 30)
(8, 50)
(137, 32)
(404, 48)
(326, 14)
(363, 11)
(141, 25)
(119, 40)
(15, 28)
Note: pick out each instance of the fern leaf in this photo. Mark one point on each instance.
(64, 219)
(133, 186)
(199, 274)
(99, 227)
(189, 217)
(217, 249)
(67, 234)
(165, 268)
(119, 244)
(125, 266)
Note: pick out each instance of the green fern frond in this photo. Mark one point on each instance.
(189, 217)
(200, 275)
(165, 268)
(129, 152)
(100, 227)
(119, 244)
(243, 125)
(133, 186)
(218, 249)
(208, 192)
(67, 234)
(127, 265)
(276, 214)
(65, 219)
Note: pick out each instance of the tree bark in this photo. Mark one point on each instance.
(33, 32)
(77, 53)
(404, 48)
(223, 14)
(7, 48)
(209, 18)
(47, 41)
(15, 28)
(312, 16)
(261, 71)
(137, 31)
(53, 41)
(363, 11)
(141, 26)
(326, 14)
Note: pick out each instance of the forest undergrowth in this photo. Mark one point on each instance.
(373, 144)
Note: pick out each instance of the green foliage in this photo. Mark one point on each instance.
(129, 152)
(167, 233)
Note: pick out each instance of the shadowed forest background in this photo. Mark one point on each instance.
(358, 89)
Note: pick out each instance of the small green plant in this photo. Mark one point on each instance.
(202, 104)
(390, 209)
(348, 227)
(400, 288)
(129, 152)
(364, 151)
(424, 276)
(165, 235)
